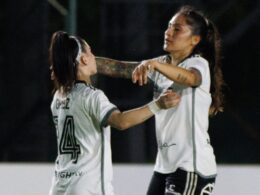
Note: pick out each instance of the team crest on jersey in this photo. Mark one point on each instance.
(170, 190)
(207, 189)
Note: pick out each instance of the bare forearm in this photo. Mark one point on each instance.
(179, 75)
(115, 68)
(130, 118)
(124, 120)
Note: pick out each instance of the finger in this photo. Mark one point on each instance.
(172, 103)
(145, 73)
(140, 77)
(168, 91)
(168, 94)
(173, 94)
(172, 99)
(149, 67)
(134, 77)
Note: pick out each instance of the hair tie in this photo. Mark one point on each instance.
(79, 46)
(207, 21)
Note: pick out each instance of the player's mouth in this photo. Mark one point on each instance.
(167, 41)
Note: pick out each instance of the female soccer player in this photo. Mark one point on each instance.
(82, 115)
(185, 163)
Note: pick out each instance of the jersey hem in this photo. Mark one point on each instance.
(196, 171)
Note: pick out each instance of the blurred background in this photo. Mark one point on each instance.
(125, 30)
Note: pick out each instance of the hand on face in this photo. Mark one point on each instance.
(168, 99)
(140, 73)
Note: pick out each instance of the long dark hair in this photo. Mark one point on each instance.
(63, 52)
(210, 48)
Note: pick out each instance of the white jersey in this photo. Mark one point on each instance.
(83, 165)
(182, 131)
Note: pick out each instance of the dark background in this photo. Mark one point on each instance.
(125, 30)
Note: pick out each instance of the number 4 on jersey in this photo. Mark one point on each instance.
(68, 143)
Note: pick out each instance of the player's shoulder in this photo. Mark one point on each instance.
(92, 92)
(89, 90)
(84, 89)
(89, 94)
(196, 59)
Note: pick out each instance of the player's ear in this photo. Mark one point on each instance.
(195, 39)
(84, 59)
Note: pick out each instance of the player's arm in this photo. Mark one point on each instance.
(115, 68)
(127, 119)
(188, 77)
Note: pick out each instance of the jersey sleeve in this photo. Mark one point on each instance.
(101, 107)
(198, 63)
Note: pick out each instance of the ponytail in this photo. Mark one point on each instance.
(210, 48)
(213, 54)
(63, 52)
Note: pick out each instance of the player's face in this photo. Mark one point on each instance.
(92, 66)
(178, 35)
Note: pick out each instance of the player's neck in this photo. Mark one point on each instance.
(87, 80)
(84, 77)
(178, 57)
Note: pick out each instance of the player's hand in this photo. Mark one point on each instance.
(168, 99)
(140, 73)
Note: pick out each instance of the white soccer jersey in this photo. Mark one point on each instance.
(83, 165)
(182, 131)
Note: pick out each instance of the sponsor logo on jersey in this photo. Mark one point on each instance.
(68, 174)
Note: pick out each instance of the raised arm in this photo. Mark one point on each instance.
(191, 77)
(115, 68)
(127, 119)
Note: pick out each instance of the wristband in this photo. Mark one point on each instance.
(154, 108)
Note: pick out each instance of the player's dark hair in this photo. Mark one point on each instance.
(210, 48)
(62, 58)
